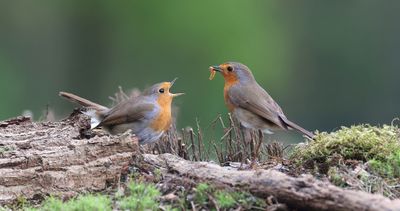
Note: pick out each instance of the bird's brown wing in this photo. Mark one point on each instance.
(255, 99)
(125, 112)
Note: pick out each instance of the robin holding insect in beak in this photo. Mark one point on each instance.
(249, 102)
(148, 116)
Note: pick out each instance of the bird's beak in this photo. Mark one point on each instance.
(173, 81)
(215, 68)
(177, 94)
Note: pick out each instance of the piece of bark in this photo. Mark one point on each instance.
(50, 158)
(304, 193)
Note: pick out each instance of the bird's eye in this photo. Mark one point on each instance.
(229, 68)
(161, 90)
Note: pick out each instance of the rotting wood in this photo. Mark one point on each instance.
(304, 193)
(50, 158)
(54, 158)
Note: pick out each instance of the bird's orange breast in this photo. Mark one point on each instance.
(230, 80)
(162, 121)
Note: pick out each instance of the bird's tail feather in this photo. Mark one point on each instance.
(82, 101)
(298, 128)
(95, 118)
(94, 110)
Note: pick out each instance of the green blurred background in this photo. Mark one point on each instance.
(327, 63)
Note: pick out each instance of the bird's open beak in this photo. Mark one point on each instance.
(176, 94)
(215, 68)
(173, 81)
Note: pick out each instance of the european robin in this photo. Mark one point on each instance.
(148, 116)
(249, 102)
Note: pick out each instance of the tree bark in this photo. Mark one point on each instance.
(304, 193)
(39, 159)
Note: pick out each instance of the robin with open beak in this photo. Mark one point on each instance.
(249, 102)
(148, 116)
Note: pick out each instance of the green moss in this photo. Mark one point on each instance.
(248, 201)
(22, 203)
(169, 208)
(82, 203)
(224, 199)
(335, 177)
(53, 203)
(145, 196)
(201, 193)
(142, 197)
(91, 202)
(362, 142)
(389, 168)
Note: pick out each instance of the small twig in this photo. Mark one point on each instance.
(191, 133)
(219, 154)
(199, 139)
(221, 121)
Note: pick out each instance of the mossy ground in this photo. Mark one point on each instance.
(360, 157)
(146, 196)
(362, 142)
(363, 157)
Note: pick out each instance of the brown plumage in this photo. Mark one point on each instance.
(148, 115)
(250, 103)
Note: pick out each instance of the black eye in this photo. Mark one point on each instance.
(229, 68)
(161, 90)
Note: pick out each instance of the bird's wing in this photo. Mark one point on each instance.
(256, 100)
(125, 112)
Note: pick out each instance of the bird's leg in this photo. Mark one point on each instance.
(246, 134)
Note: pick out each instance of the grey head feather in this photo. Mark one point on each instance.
(153, 90)
(243, 72)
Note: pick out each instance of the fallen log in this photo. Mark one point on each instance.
(51, 158)
(56, 158)
(304, 193)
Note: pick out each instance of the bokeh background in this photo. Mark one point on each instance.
(327, 63)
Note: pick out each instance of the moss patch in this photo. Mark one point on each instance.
(390, 167)
(363, 142)
(85, 202)
(142, 196)
(209, 197)
(360, 157)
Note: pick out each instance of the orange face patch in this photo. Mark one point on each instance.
(230, 77)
